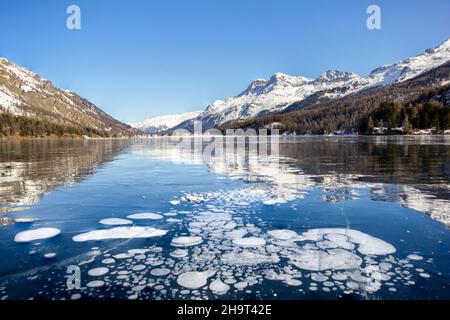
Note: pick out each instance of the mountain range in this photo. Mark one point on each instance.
(25, 93)
(283, 93)
(163, 123)
(336, 94)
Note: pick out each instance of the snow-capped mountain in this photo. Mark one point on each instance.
(25, 93)
(163, 123)
(411, 67)
(280, 91)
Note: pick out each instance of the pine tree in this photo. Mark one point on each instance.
(406, 125)
(370, 125)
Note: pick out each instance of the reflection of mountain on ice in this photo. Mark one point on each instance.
(274, 179)
(437, 209)
(280, 179)
(51, 164)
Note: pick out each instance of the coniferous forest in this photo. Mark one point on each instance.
(19, 126)
(405, 105)
(409, 117)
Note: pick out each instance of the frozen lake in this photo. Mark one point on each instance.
(331, 218)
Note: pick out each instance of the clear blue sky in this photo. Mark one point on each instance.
(138, 59)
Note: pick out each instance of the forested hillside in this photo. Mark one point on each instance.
(348, 114)
(408, 117)
(24, 93)
(19, 126)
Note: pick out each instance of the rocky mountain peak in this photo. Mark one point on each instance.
(335, 76)
(25, 93)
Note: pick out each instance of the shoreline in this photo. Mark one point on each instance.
(25, 138)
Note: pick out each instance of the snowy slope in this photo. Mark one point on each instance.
(162, 123)
(411, 67)
(25, 93)
(276, 94)
(281, 90)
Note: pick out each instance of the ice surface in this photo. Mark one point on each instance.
(293, 282)
(195, 197)
(193, 279)
(237, 233)
(120, 233)
(249, 242)
(242, 248)
(137, 251)
(143, 216)
(248, 258)
(415, 257)
(218, 287)
(241, 285)
(160, 271)
(367, 244)
(282, 234)
(97, 272)
(96, 284)
(339, 276)
(138, 267)
(317, 260)
(274, 201)
(179, 253)
(186, 241)
(123, 255)
(115, 221)
(108, 261)
(319, 277)
(36, 234)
